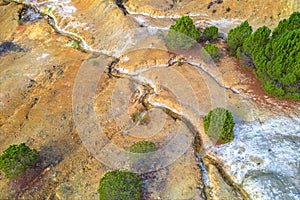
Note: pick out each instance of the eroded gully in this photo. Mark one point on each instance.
(146, 98)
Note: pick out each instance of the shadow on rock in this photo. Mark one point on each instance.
(6, 47)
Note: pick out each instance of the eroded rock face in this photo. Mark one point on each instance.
(219, 188)
(268, 185)
(9, 23)
(257, 12)
(160, 182)
(100, 25)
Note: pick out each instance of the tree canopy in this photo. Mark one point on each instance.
(16, 159)
(253, 45)
(183, 35)
(120, 185)
(210, 51)
(274, 58)
(237, 36)
(143, 147)
(218, 125)
(285, 25)
(210, 33)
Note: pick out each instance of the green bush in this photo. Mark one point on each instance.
(278, 66)
(16, 159)
(218, 125)
(143, 147)
(210, 51)
(252, 46)
(275, 60)
(183, 35)
(120, 185)
(237, 36)
(210, 33)
(290, 24)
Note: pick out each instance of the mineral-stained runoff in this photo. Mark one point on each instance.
(39, 64)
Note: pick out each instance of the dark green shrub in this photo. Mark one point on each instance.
(183, 35)
(218, 125)
(143, 147)
(120, 185)
(210, 33)
(253, 45)
(278, 66)
(16, 159)
(278, 63)
(275, 60)
(290, 24)
(210, 51)
(237, 36)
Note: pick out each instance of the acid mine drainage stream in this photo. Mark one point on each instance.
(145, 98)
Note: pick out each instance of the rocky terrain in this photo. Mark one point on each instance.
(83, 80)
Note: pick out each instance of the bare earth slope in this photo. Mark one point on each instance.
(37, 80)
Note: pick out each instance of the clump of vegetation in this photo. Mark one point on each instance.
(275, 60)
(253, 45)
(278, 66)
(286, 25)
(179, 62)
(218, 125)
(142, 147)
(120, 185)
(210, 51)
(237, 36)
(210, 33)
(73, 43)
(183, 35)
(16, 159)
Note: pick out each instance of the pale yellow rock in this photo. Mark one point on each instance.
(9, 21)
(257, 12)
(219, 189)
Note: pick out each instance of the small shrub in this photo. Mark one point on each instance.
(141, 161)
(16, 159)
(179, 62)
(210, 50)
(73, 43)
(237, 36)
(120, 185)
(210, 33)
(183, 35)
(143, 147)
(218, 125)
